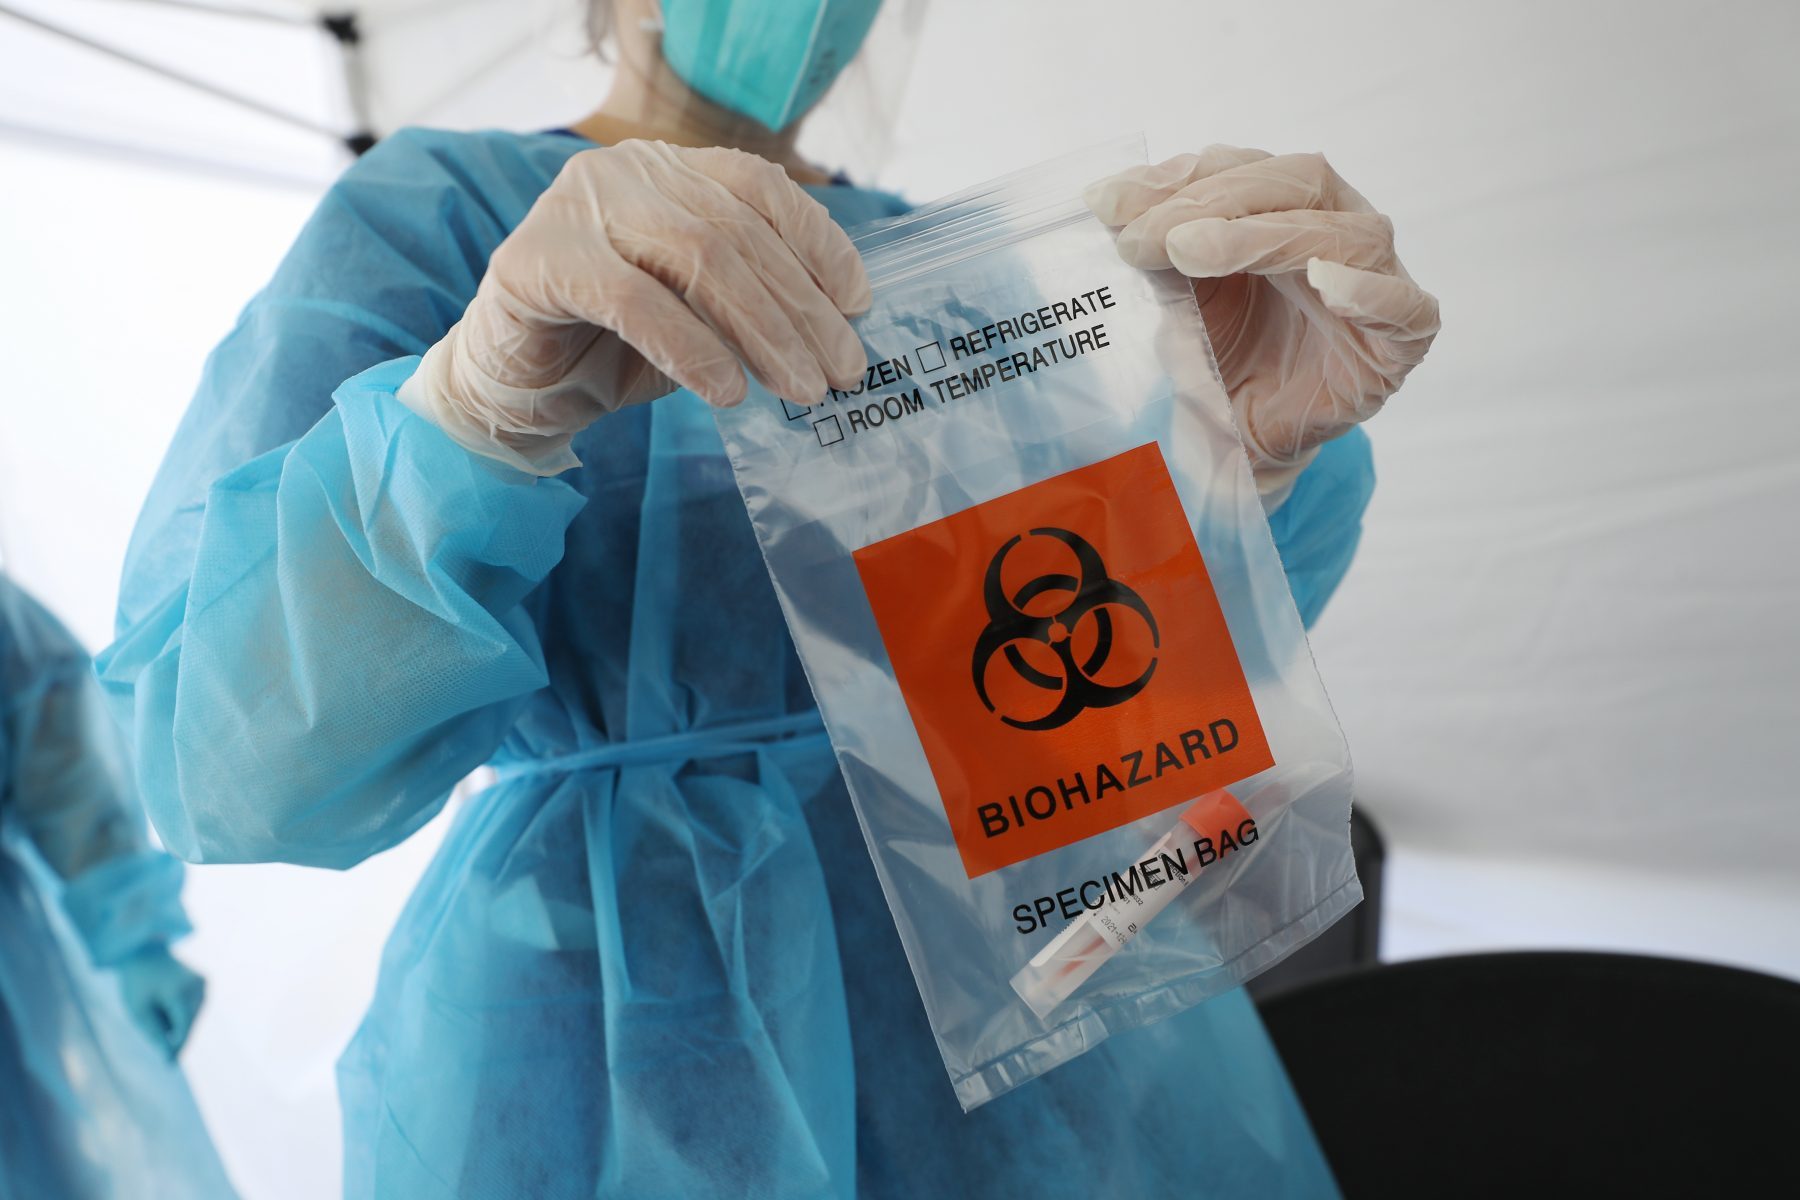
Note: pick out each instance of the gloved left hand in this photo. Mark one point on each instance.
(162, 995)
(642, 268)
(1313, 320)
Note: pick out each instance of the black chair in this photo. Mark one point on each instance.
(1549, 1074)
(1354, 940)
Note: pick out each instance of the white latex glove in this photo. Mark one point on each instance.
(1313, 320)
(645, 267)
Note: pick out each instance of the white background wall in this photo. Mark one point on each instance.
(1566, 656)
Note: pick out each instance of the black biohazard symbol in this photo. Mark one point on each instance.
(1089, 594)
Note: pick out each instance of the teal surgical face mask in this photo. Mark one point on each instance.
(769, 60)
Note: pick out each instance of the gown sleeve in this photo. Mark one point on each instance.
(1317, 529)
(322, 621)
(65, 786)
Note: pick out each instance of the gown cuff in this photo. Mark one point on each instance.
(126, 905)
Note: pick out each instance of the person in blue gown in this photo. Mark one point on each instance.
(93, 1006)
(651, 960)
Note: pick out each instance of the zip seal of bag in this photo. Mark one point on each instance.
(1027, 571)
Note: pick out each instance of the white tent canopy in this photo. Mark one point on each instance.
(286, 87)
(291, 89)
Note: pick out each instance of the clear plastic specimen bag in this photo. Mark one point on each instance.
(1032, 584)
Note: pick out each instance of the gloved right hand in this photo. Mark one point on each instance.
(642, 268)
(1314, 323)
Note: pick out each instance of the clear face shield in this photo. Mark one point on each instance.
(822, 79)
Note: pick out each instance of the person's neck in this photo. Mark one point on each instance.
(667, 110)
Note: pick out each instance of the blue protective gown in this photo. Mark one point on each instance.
(89, 1108)
(653, 960)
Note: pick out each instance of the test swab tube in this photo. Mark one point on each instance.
(1072, 956)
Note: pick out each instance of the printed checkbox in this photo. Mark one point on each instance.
(927, 353)
(793, 412)
(831, 436)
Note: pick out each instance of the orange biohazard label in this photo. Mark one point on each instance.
(1064, 659)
